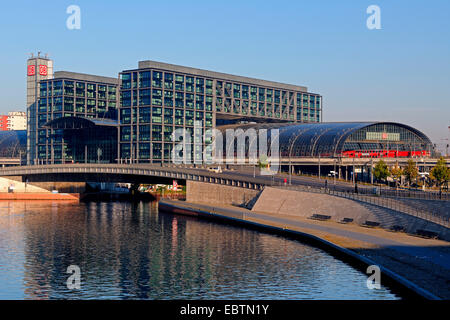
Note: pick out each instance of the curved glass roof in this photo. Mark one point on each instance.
(79, 123)
(13, 143)
(329, 138)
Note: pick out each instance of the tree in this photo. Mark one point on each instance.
(381, 170)
(263, 162)
(410, 171)
(396, 173)
(440, 173)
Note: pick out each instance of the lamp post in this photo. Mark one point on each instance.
(334, 172)
(291, 145)
(319, 166)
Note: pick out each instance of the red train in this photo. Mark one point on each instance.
(385, 154)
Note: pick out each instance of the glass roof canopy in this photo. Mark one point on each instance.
(13, 143)
(79, 123)
(331, 139)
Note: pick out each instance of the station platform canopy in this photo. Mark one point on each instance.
(79, 123)
(345, 139)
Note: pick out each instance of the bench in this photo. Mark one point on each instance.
(426, 234)
(346, 220)
(397, 228)
(320, 217)
(370, 224)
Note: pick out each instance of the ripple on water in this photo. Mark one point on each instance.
(130, 251)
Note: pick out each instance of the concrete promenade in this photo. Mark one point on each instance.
(418, 264)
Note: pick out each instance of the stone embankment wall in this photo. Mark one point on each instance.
(40, 187)
(216, 194)
(305, 204)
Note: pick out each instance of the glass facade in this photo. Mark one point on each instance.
(76, 98)
(154, 102)
(13, 143)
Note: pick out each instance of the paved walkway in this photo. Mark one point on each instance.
(424, 262)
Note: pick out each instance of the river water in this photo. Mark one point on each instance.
(131, 251)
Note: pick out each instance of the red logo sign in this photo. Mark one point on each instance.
(384, 136)
(42, 70)
(31, 71)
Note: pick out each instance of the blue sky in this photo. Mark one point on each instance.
(399, 73)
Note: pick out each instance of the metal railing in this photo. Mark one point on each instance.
(384, 202)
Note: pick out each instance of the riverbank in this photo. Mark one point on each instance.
(415, 266)
(39, 196)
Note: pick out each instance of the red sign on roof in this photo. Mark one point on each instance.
(31, 70)
(42, 70)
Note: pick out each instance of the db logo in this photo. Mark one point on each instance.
(31, 70)
(42, 70)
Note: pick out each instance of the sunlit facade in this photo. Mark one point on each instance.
(157, 98)
(85, 97)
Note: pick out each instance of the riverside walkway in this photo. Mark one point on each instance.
(419, 264)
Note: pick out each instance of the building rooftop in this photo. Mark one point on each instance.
(218, 75)
(85, 77)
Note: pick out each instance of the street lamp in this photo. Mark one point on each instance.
(291, 145)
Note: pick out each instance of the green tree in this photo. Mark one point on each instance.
(396, 173)
(263, 162)
(381, 170)
(411, 171)
(440, 173)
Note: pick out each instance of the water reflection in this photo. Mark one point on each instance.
(130, 251)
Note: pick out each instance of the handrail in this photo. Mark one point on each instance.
(383, 202)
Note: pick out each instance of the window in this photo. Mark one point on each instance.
(189, 101)
(168, 81)
(144, 133)
(253, 93)
(144, 97)
(156, 97)
(262, 93)
(126, 80)
(157, 79)
(126, 98)
(227, 89)
(208, 106)
(199, 85)
(125, 116)
(112, 93)
(157, 147)
(244, 92)
(79, 105)
(179, 82)
(68, 104)
(236, 91)
(144, 115)
(190, 84)
(179, 117)
(57, 104)
(125, 133)
(144, 150)
(269, 95)
(125, 150)
(209, 86)
(219, 88)
(156, 132)
(168, 98)
(179, 99)
(277, 96)
(145, 79)
(57, 88)
(199, 102)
